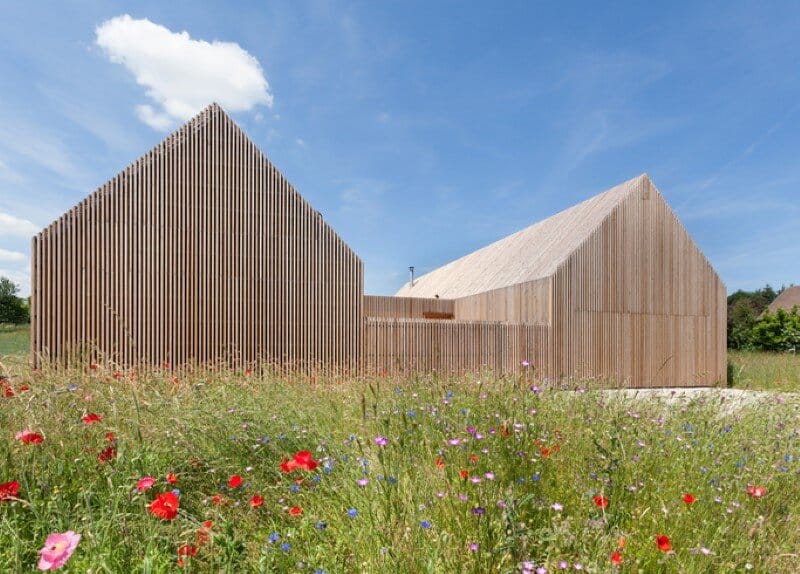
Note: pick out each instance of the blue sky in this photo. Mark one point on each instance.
(424, 130)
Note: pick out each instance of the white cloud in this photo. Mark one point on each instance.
(6, 255)
(182, 75)
(10, 225)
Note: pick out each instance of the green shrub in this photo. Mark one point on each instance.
(776, 332)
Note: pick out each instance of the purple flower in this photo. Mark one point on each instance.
(381, 440)
(473, 546)
(362, 482)
(478, 511)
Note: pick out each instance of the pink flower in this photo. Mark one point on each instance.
(58, 547)
(145, 483)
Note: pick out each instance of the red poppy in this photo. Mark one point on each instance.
(110, 453)
(203, 533)
(185, 551)
(295, 511)
(91, 418)
(235, 481)
(117, 375)
(9, 490)
(600, 501)
(439, 462)
(302, 460)
(110, 437)
(545, 452)
(217, 499)
(756, 491)
(504, 431)
(256, 501)
(165, 506)
(663, 543)
(464, 473)
(616, 558)
(172, 478)
(689, 498)
(8, 391)
(305, 461)
(473, 458)
(29, 437)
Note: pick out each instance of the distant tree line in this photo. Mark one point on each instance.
(13, 309)
(752, 326)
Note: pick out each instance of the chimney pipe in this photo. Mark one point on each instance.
(411, 271)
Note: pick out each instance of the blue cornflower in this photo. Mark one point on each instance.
(274, 537)
(295, 488)
(321, 525)
(352, 512)
(425, 524)
(286, 547)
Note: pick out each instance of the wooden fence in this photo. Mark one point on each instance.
(402, 345)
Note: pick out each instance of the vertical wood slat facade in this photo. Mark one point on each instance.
(636, 302)
(200, 251)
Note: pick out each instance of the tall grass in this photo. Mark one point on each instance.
(14, 339)
(765, 371)
(514, 485)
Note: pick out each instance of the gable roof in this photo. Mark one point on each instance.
(788, 298)
(201, 130)
(533, 253)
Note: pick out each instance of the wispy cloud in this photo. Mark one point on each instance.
(182, 75)
(11, 225)
(13, 256)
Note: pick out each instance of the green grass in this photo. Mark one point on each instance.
(765, 371)
(14, 339)
(206, 427)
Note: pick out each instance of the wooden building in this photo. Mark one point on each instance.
(611, 288)
(198, 251)
(202, 252)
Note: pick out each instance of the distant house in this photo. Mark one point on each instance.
(789, 298)
(202, 252)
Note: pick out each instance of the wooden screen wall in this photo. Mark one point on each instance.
(399, 345)
(405, 307)
(526, 303)
(199, 251)
(639, 302)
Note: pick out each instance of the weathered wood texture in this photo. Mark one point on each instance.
(400, 345)
(638, 302)
(404, 307)
(526, 303)
(200, 251)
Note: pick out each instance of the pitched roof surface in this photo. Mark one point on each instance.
(788, 298)
(530, 254)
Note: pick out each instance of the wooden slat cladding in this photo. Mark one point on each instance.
(409, 345)
(638, 302)
(200, 251)
(404, 307)
(526, 303)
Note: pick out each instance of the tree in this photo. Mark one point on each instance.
(744, 307)
(12, 308)
(8, 288)
(777, 332)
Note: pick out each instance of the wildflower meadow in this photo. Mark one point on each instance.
(165, 470)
